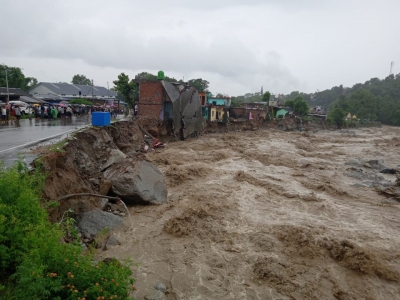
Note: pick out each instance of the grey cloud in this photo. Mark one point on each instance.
(240, 44)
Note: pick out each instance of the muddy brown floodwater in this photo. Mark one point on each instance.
(268, 215)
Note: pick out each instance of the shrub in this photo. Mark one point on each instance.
(35, 264)
(81, 101)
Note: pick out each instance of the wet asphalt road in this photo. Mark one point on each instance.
(17, 138)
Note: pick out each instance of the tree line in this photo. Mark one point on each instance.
(375, 100)
(15, 78)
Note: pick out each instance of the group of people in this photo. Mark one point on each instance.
(67, 111)
(55, 112)
(9, 112)
(13, 112)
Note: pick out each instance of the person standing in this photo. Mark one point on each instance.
(17, 111)
(8, 111)
(42, 111)
(69, 112)
(54, 112)
(3, 113)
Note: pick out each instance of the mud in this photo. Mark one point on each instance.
(268, 214)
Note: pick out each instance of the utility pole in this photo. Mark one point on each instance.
(108, 88)
(391, 68)
(92, 92)
(8, 93)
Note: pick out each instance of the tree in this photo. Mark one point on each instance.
(290, 103)
(145, 76)
(81, 79)
(300, 106)
(149, 76)
(337, 116)
(266, 96)
(128, 89)
(199, 84)
(15, 78)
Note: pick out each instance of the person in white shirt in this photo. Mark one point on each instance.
(69, 112)
(3, 113)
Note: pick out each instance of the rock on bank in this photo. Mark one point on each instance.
(87, 157)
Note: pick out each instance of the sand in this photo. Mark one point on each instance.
(268, 215)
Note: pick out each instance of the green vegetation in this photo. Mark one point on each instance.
(80, 101)
(298, 105)
(16, 79)
(81, 79)
(376, 99)
(34, 263)
(337, 117)
(266, 97)
(129, 89)
(149, 76)
(199, 84)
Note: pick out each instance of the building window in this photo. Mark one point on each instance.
(74, 95)
(212, 114)
(62, 94)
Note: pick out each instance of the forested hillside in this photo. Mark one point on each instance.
(375, 99)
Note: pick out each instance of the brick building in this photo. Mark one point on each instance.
(177, 104)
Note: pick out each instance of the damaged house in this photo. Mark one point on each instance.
(249, 111)
(218, 109)
(177, 105)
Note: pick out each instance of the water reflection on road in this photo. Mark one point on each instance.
(15, 136)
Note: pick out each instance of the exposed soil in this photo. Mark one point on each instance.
(268, 214)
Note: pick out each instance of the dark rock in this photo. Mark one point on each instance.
(388, 171)
(155, 295)
(94, 221)
(112, 241)
(137, 182)
(161, 287)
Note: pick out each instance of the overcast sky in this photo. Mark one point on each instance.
(237, 45)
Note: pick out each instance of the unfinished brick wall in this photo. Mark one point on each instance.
(150, 99)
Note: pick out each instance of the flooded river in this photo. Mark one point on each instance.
(269, 215)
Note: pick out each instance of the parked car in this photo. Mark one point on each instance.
(25, 108)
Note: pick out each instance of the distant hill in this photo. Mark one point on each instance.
(375, 99)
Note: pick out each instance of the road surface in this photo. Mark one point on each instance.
(16, 138)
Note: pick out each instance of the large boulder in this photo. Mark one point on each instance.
(137, 182)
(94, 221)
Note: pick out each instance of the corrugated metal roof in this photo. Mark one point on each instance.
(28, 99)
(73, 89)
(13, 91)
